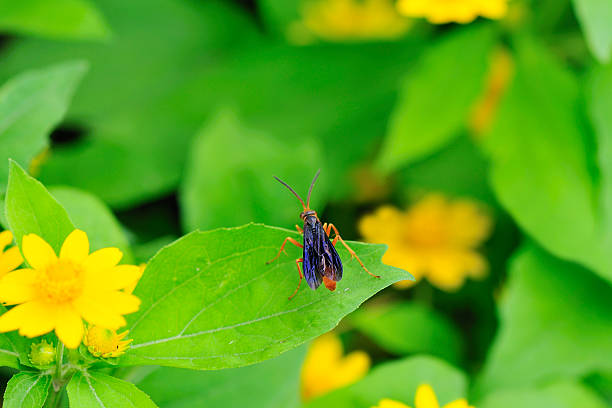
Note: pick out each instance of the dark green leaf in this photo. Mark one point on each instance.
(594, 17)
(31, 105)
(555, 322)
(93, 389)
(30, 209)
(407, 328)
(399, 381)
(271, 384)
(76, 19)
(425, 117)
(210, 301)
(543, 169)
(228, 180)
(26, 390)
(91, 215)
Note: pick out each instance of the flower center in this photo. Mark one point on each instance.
(61, 282)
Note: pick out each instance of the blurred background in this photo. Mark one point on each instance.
(473, 137)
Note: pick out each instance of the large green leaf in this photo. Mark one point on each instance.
(77, 19)
(136, 140)
(210, 301)
(435, 101)
(555, 322)
(594, 17)
(543, 161)
(399, 381)
(271, 384)
(26, 390)
(409, 327)
(228, 180)
(557, 395)
(31, 105)
(91, 215)
(31, 209)
(601, 115)
(13, 348)
(93, 389)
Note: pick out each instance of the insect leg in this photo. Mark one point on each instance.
(327, 229)
(299, 229)
(353, 254)
(297, 263)
(282, 248)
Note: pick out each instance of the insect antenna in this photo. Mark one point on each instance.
(290, 189)
(311, 186)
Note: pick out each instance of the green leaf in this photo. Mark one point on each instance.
(30, 209)
(60, 19)
(409, 327)
(594, 17)
(558, 395)
(13, 347)
(3, 221)
(600, 109)
(555, 322)
(425, 118)
(399, 381)
(94, 389)
(271, 384)
(548, 183)
(91, 215)
(26, 390)
(228, 180)
(31, 105)
(210, 301)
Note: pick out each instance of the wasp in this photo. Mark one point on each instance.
(320, 259)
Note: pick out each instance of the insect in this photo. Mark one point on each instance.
(320, 259)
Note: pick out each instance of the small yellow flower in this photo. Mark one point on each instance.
(56, 293)
(341, 20)
(449, 11)
(11, 258)
(435, 239)
(105, 343)
(325, 368)
(500, 74)
(42, 354)
(425, 398)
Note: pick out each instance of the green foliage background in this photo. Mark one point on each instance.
(156, 127)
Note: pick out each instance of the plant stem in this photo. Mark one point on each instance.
(55, 396)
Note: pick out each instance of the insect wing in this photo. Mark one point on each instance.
(332, 262)
(312, 256)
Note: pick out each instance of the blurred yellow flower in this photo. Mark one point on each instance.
(435, 239)
(340, 20)
(56, 293)
(105, 343)
(425, 398)
(500, 74)
(453, 11)
(11, 258)
(325, 368)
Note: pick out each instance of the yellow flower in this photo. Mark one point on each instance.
(449, 11)
(500, 73)
(435, 239)
(130, 288)
(325, 368)
(42, 354)
(425, 398)
(105, 343)
(11, 258)
(340, 20)
(56, 293)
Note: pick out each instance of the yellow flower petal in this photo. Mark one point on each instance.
(10, 260)
(14, 318)
(37, 252)
(38, 319)
(460, 403)
(425, 397)
(98, 314)
(102, 260)
(125, 276)
(69, 327)
(18, 287)
(75, 247)
(389, 403)
(121, 302)
(6, 237)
